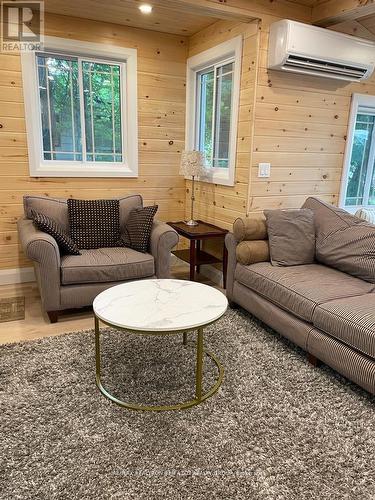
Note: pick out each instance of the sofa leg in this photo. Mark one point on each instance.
(53, 316)
(313, 360)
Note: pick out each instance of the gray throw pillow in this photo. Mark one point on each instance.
(291, 235)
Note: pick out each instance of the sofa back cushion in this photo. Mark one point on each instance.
(127, 204)
(55, 208)
(343, 241)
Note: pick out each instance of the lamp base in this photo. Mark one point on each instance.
(191, 222)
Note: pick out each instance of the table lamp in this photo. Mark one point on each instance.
(192, 165)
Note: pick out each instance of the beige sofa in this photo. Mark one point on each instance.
(73, 281)
(326, 311)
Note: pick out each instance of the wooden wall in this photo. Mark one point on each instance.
(222, 204)
(161, 101)
(300, 127)
(296, 123)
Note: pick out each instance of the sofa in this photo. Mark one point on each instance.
(73, 281)
(326, 309)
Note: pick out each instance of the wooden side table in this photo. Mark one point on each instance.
(195, 256)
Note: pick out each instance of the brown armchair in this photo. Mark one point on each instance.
(73, 281)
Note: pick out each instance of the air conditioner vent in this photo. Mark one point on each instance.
(318, 66)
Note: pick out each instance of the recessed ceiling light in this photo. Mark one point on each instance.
(145, 8)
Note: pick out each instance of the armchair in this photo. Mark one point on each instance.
(73, 281)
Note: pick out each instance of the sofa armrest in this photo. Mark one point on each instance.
(163, 239)
(37, 245)
(231, 243)
(41, 248)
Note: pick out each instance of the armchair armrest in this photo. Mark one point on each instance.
(163, 239)
(41, 248)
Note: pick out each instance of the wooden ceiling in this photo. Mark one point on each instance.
(126, 12)
(186, 17)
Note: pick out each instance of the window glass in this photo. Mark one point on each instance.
(206, 84)
(223, 114)
(101, 89)
(360, 184)
(62, 82)
(60, 115)
(215, 87)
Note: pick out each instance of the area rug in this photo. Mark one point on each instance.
(277, 429)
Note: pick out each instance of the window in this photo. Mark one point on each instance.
(212, 108)
(358, 184)
(81, 110)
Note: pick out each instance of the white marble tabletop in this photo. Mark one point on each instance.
(160, 305)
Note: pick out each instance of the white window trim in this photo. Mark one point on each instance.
(230, 49)
(358, 101)
(44, 168)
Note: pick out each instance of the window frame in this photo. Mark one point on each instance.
(127, 59)
(229, 51)
(359, 103)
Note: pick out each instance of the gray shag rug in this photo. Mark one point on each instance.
(277, 428)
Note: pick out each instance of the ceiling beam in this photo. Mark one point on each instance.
(338, 11)
(354, 28)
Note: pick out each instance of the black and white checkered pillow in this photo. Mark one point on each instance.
(138, 228)
(94, 223)
(49, 226)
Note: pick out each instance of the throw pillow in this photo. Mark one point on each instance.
(137, 230)
(291, 235)
(49, 226)
(343, 241)
(94, 223)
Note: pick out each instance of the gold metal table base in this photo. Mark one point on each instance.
(199, 397)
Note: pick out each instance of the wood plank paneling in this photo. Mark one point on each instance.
(161, 105)
(300, 128)
(222, 204)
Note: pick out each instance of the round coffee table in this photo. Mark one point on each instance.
(161, 307)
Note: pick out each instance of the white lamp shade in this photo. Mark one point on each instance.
(192, 163)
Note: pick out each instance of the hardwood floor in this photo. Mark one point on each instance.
(36, 324)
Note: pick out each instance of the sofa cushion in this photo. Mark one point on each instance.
(299, 289)
(105, 264)
(343, 241)
(291, 235)
(351, 320)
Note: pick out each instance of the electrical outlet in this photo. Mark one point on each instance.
(264, 169)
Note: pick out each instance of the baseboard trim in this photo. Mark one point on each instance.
(18, 275)
(212, 273)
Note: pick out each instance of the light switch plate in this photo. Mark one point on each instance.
(264, 169)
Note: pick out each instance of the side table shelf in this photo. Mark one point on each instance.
(195, 256)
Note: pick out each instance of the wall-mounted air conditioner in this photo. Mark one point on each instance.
(307, 49)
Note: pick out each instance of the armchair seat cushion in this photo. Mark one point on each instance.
(106, 264)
